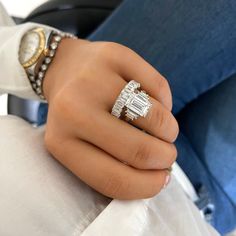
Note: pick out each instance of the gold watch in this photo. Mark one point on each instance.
(37, 50)
(34, 48)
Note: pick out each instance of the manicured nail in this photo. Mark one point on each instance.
(167, 181)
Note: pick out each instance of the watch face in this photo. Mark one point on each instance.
(29, 46)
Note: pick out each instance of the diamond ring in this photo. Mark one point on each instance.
(132, 102)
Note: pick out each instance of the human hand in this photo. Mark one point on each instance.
(112, 156)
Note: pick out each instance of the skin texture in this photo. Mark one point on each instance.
(114, 157)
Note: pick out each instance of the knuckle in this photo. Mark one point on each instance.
(162, 120)
(141, 156)
(113, 52)
(115, 186)
(108, 49)
(158, 118)
(152, 117)
(164, 87)
(163, 83)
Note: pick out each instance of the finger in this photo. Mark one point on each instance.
(134, 67)
(107, 175)
(125, 142)
(159, 122)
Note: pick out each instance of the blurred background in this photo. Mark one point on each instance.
(19, 9)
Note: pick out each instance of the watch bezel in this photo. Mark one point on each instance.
(40, 49)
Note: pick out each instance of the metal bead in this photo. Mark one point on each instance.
(52, 53)
(38, 90)
(42, 97)
(36, 81)
(57, 38)
(40, 75)
(62, 34)
(53, 45)
(34, 85)
(39, 82)
(44, 67)
(48, 60)
(31, 78)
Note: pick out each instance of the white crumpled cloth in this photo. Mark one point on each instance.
(38, 196)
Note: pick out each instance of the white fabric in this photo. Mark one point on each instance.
(13, 79)
(39, 197)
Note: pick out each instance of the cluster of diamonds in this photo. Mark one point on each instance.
(123, 97)
(37, 81)
(136, 102)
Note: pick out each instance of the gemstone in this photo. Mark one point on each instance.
(44, 67)
(53, 45)
(34, 85)
(38, 90)
(39, 82)
(40, 74)
(57, 38)
(52, 53)
(48, 60)
(31, 78)
(138, 104)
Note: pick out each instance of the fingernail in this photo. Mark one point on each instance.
(167, 181)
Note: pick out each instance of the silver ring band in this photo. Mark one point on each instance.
(122, 98)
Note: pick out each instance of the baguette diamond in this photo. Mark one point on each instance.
(136, 102)
(123, 97)
(137, 105)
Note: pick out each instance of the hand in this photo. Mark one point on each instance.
(112, 156)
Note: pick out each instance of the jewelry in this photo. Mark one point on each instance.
(37, 50)
(37, 81)
(135, 101)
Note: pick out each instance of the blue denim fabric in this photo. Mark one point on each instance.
(192, 43)
(209, 125)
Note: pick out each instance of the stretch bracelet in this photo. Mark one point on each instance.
(37, 80)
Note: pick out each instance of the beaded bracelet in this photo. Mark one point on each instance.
(37, 81)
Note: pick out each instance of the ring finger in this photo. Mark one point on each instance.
(159, 121)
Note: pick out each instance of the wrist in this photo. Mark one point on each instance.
(50, 77)
(62, 66)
